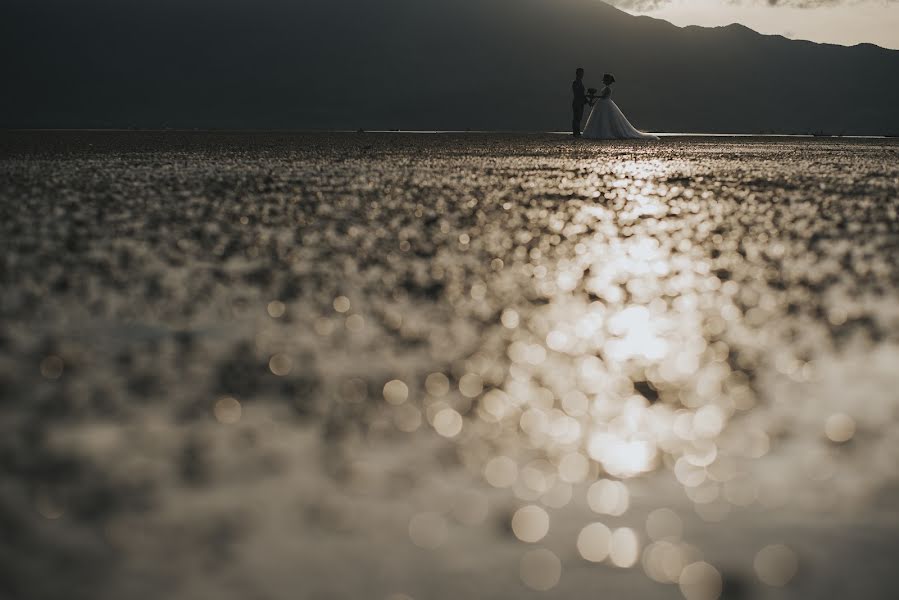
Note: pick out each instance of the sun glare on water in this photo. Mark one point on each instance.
(621, 369)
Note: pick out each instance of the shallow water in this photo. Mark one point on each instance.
(493, 366)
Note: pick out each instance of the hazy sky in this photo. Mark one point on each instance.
(845, 22)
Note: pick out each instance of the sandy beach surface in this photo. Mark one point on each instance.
(394, 366)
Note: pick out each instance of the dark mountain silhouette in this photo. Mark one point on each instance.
(420, 64)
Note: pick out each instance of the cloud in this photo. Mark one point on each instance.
(804, 3)
(638, 5)
(649, 5)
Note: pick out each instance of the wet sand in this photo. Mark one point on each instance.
(441, 366)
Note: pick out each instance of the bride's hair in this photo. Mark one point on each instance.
(608, 77)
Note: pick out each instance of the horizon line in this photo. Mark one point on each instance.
(422, 132)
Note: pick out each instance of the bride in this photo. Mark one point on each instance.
(606, 121)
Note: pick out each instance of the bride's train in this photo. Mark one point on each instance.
(607, 122)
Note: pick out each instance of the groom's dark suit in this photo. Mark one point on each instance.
(577, 105)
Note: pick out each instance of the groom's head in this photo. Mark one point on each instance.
(579, 73)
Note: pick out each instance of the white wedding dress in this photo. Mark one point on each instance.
(607, 122)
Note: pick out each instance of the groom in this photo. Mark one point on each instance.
(578, 102)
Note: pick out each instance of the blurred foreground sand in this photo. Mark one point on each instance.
(447, 366)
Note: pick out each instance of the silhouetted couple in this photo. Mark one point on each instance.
(606, 121)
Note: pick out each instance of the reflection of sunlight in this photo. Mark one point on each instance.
(615, 367)
(620, 457)
(637, 336)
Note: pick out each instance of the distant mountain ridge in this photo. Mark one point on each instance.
(741, 27)
(409, 64)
